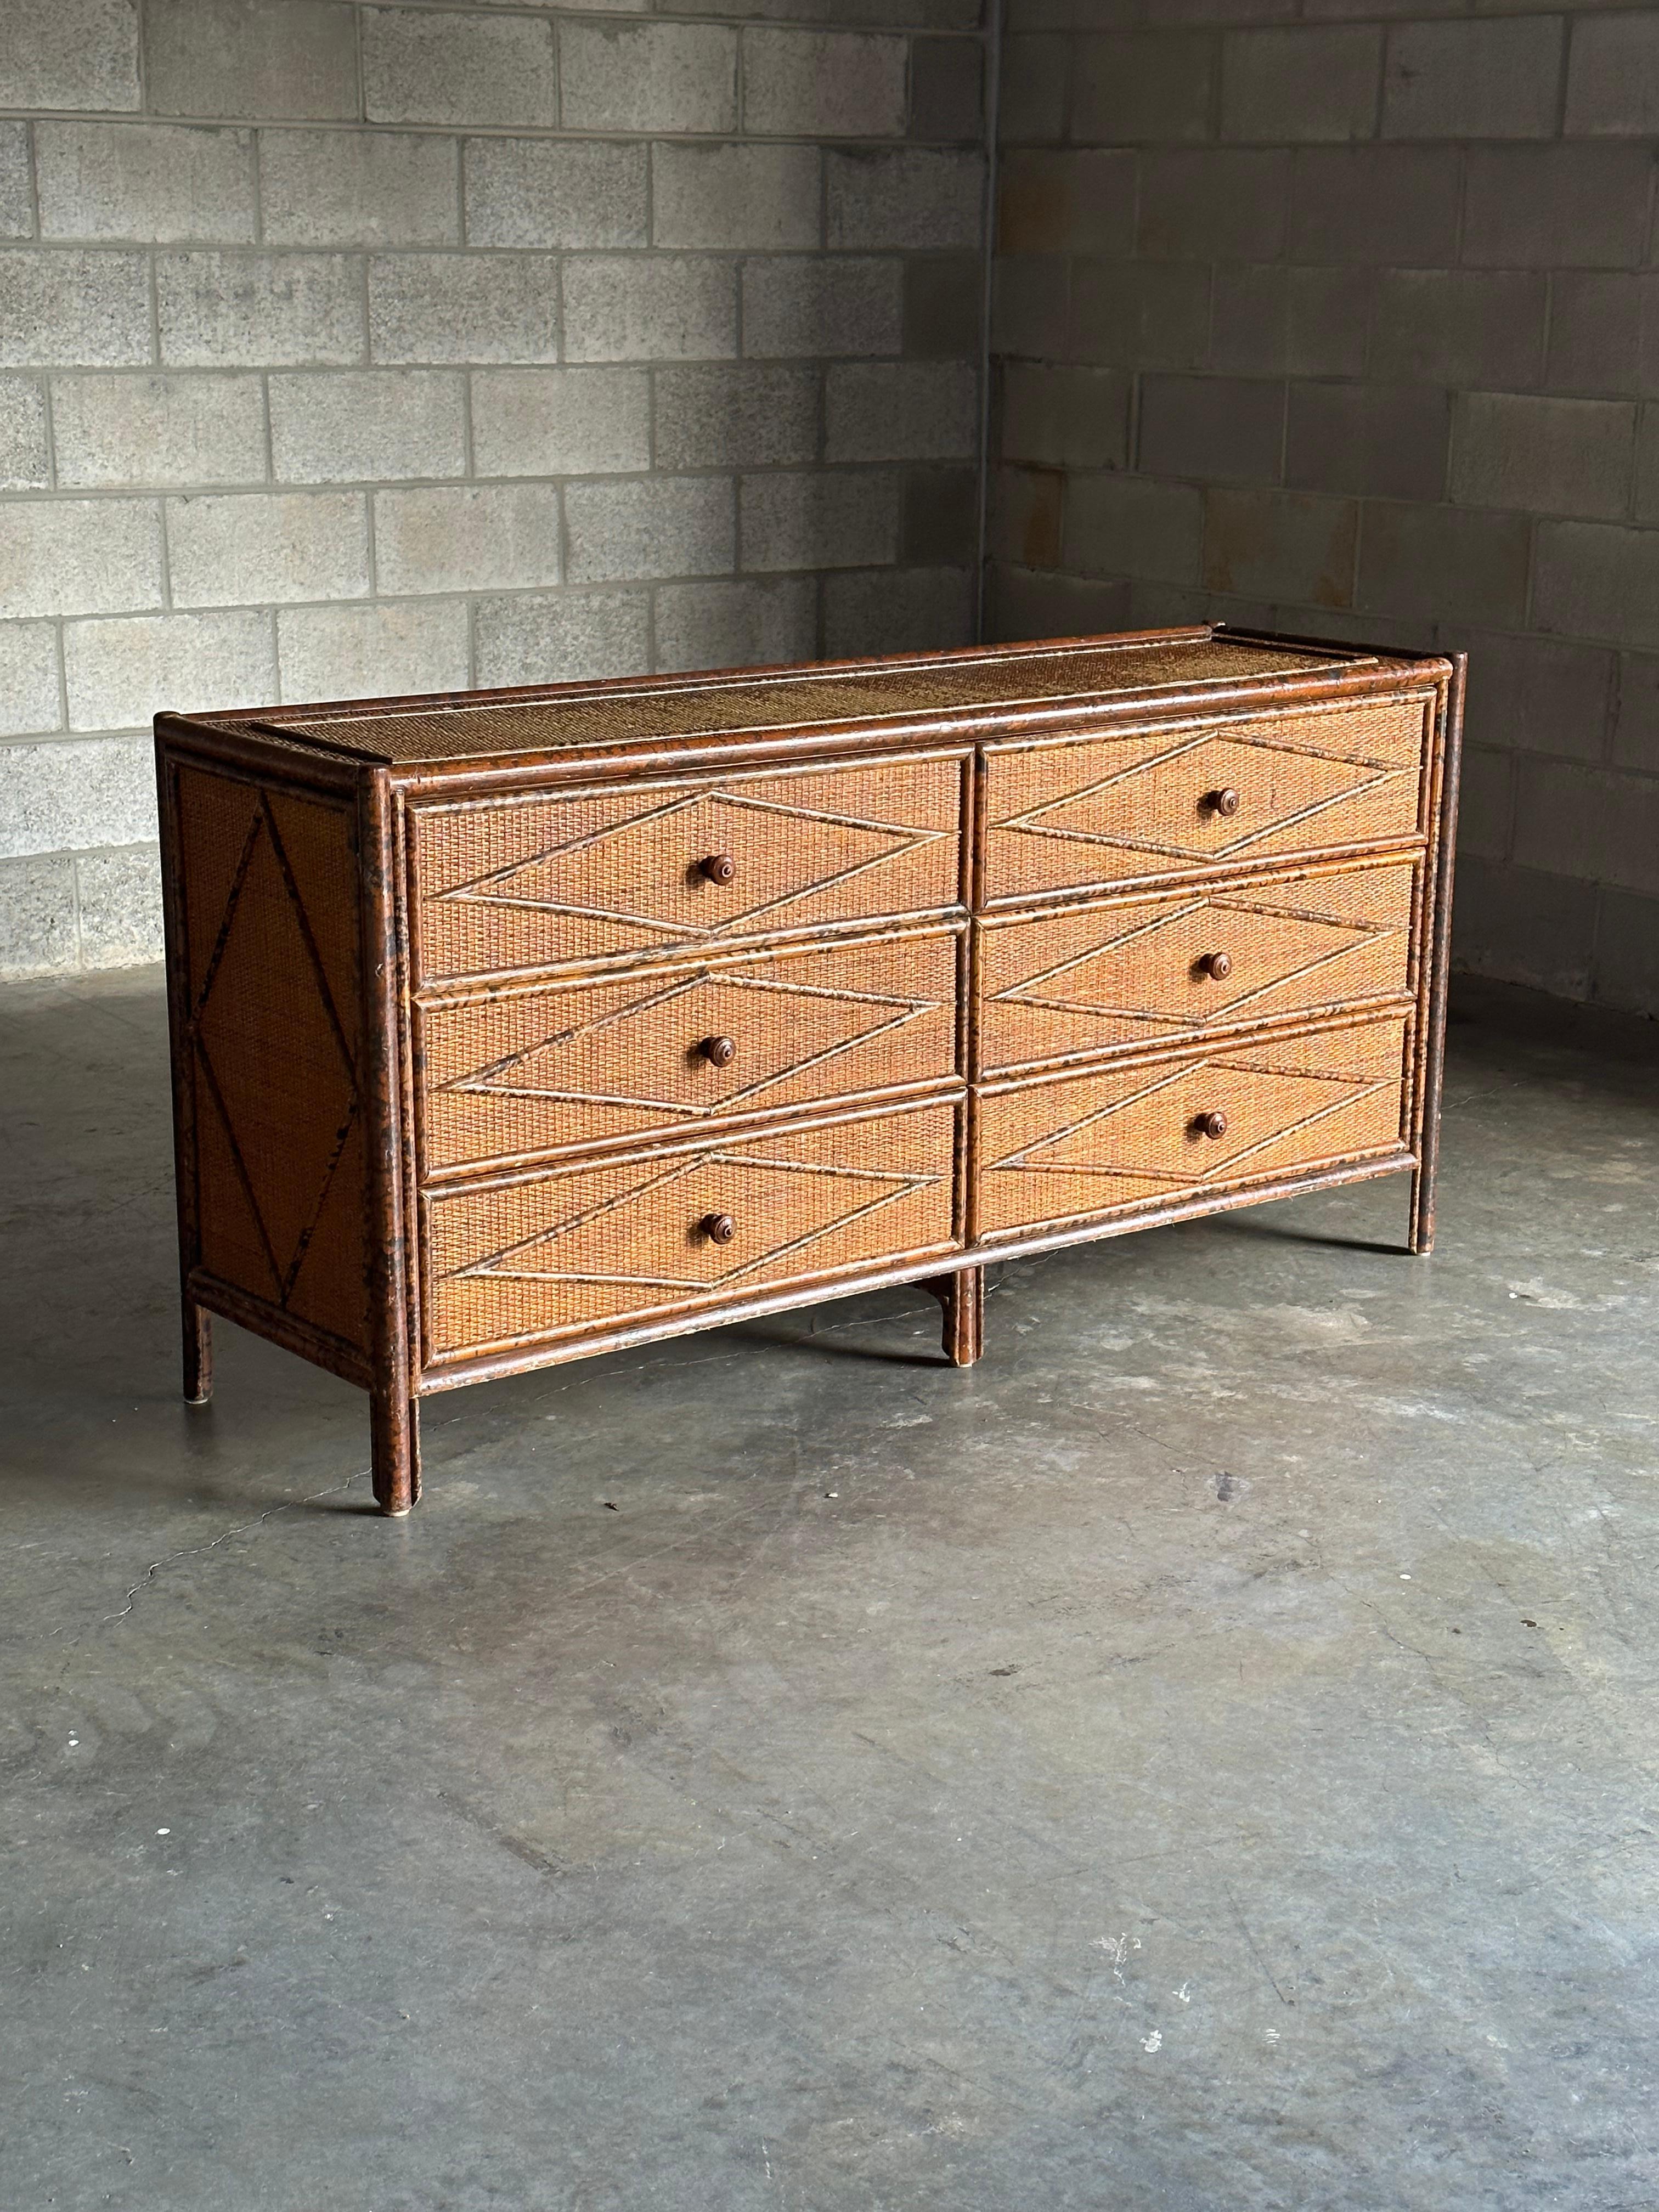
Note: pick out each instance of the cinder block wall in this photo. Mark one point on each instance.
(349, 348)
(1349, 326)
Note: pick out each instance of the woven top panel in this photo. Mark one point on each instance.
(473, 724)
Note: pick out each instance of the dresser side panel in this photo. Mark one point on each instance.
(267, 992)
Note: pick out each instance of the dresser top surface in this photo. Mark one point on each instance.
(483, 725)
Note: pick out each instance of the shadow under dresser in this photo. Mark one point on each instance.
(512, 1026)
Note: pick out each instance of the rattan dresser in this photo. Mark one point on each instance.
(512, 1026)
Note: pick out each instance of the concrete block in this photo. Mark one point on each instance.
(1485, 803)
(905, 200)
(1387, 440)
(897, 610)
(16, 202)
(69, 53)
(831, 518)
(752, 625)
(259, 310)
(1030, 301)
(561, 637)
(1065, 202)
(1024, 605)
(663, 526)
(823, 84)
(941, 526)
(1281, 546)
(1592, 823)
(72, 309)
(764, 198)
(466, 537)
(373, 652)
(1459, 327)
(1604, 332)
(72, 792)
(297, 62)
(248, 548)
(1496, 79)
(1647, 466)
(1378, 205)
(78, 556)
(365, 425)
(1118, 525)
(639, 309)
(649, 77)
(1026, 512)
(360, 188)
(25, 461)
(1626, 967)
(1147, 314)
(119, 900)
(1612, 78)
(38, 934)
(1544, 456)
(560, 422)
(1064, 418)
(944, 306)
(110, 431)
(1523, 927)
(1300, 84)
(463, 308)
(553, 191)
(1595, 580)
(1225, 429)
(1534, 695)
(1035, 73)
(30, 702)
(1556, 207)
(1635, 712)
(736, 416)
(1442, 564)
(1226, 204)
(901, 411)
(120, 673)
(1289, 321)
(150, 182)
(427, 65)
(947, 90)
(806, 307)
(1146, 86)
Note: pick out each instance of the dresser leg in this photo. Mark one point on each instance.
(198, 1353)
(963, 1297)
(395, 1450)
(1419, 1235)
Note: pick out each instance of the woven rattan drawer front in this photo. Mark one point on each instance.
(509, 885)
(1133, 1136)
(586, 1062)
(1159, 802)
(1073, 981)
(600, 1243)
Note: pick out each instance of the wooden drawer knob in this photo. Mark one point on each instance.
(1221, 802)
(718, 867)
(1211, 1125)
(1217, 965)
(719, 1052)
(718, 1228)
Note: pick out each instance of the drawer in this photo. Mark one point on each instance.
(1132, 1136)
(1073, 981)
(598, 1244)
(617, 872)
(1164, 801)
(586, 1062)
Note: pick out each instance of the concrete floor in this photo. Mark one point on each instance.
(1203, 1758)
